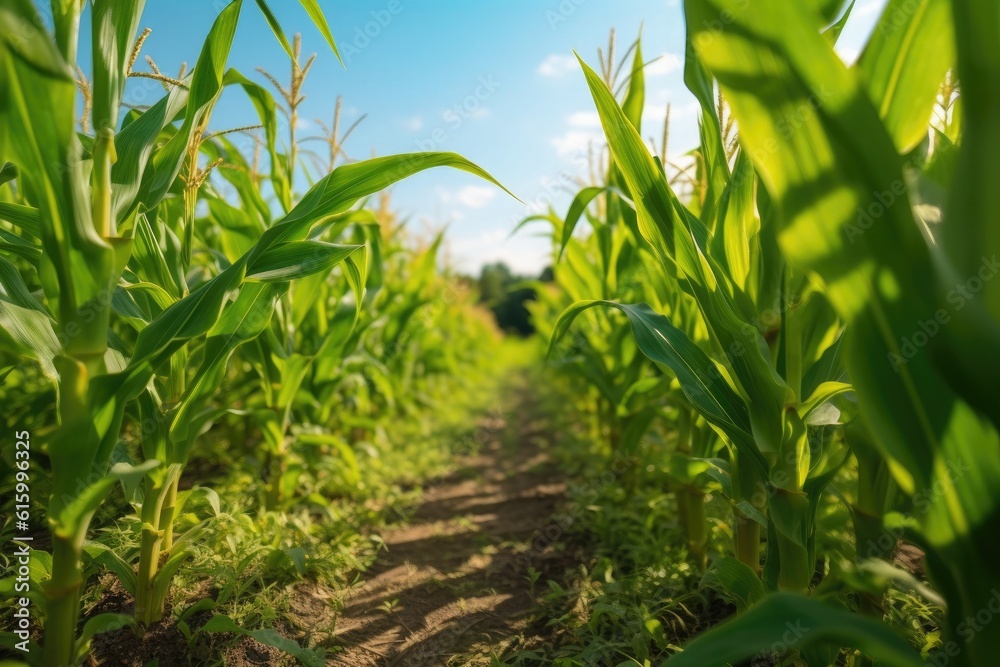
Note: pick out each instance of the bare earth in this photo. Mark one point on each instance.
(454, 581)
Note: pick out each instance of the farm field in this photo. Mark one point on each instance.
(562, 333)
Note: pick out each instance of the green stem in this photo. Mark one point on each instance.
(682, 513)
(66, 21)
(875, 487)
(789, 510)
(793, 334)
(149, 556)
(104, 157)
(747, 538)
(746, 531)
(697, 526)
(62, 602)
(167, 515)
(277, 471)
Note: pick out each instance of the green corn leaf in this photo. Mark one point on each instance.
(356, 272)
(263, 102)
(77, 264)
(714, 162)
(275, 26)
(98, 624)
(576, 209)
(297, 259)
(13, 289)
(834, 31)
(349, 183)
(16, 245)
(700, 379)
(904, 63)
(25, 218)
(8, 172)
(735, 233)
(114, 25)
(308, 657)
(783, 623)
(27, 333)
(206, 84)
(106, 557)
(679, 240)
(821, 395)
(240, 322)
(739, 582)
(86, 501)
(635, 98)
(134, 147)
(316, 14)
(970, 234)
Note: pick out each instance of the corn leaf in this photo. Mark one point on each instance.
(790, 622)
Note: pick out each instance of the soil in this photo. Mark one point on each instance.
(454, 581)
(164, 643)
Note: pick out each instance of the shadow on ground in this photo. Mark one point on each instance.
(454, 580)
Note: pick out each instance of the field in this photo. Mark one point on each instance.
(746, 413)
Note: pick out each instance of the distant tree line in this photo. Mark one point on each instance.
(506, 295)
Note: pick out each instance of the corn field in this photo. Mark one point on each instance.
(756, 422)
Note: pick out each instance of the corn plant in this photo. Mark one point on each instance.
(798, 277)
(930, 410)
(91, 215)
(603, 354)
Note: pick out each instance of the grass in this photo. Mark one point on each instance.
(771, 364)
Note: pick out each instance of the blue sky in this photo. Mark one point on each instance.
(494, 81)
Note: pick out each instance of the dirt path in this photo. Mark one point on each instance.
(454, 581)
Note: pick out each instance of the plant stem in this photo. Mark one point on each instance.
(746, 531)
(697, 526)
(789, 511)
(62, 601)
(277, 472)
(149, 556)
(167, 515)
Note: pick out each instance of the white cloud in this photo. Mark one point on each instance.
(575, 142)
(868, 8)
(523, 253)
(557, 64)
(665, 64)
(585, 130)
(584, 119)
(414, 124)
(475, 196)
(692, 108)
